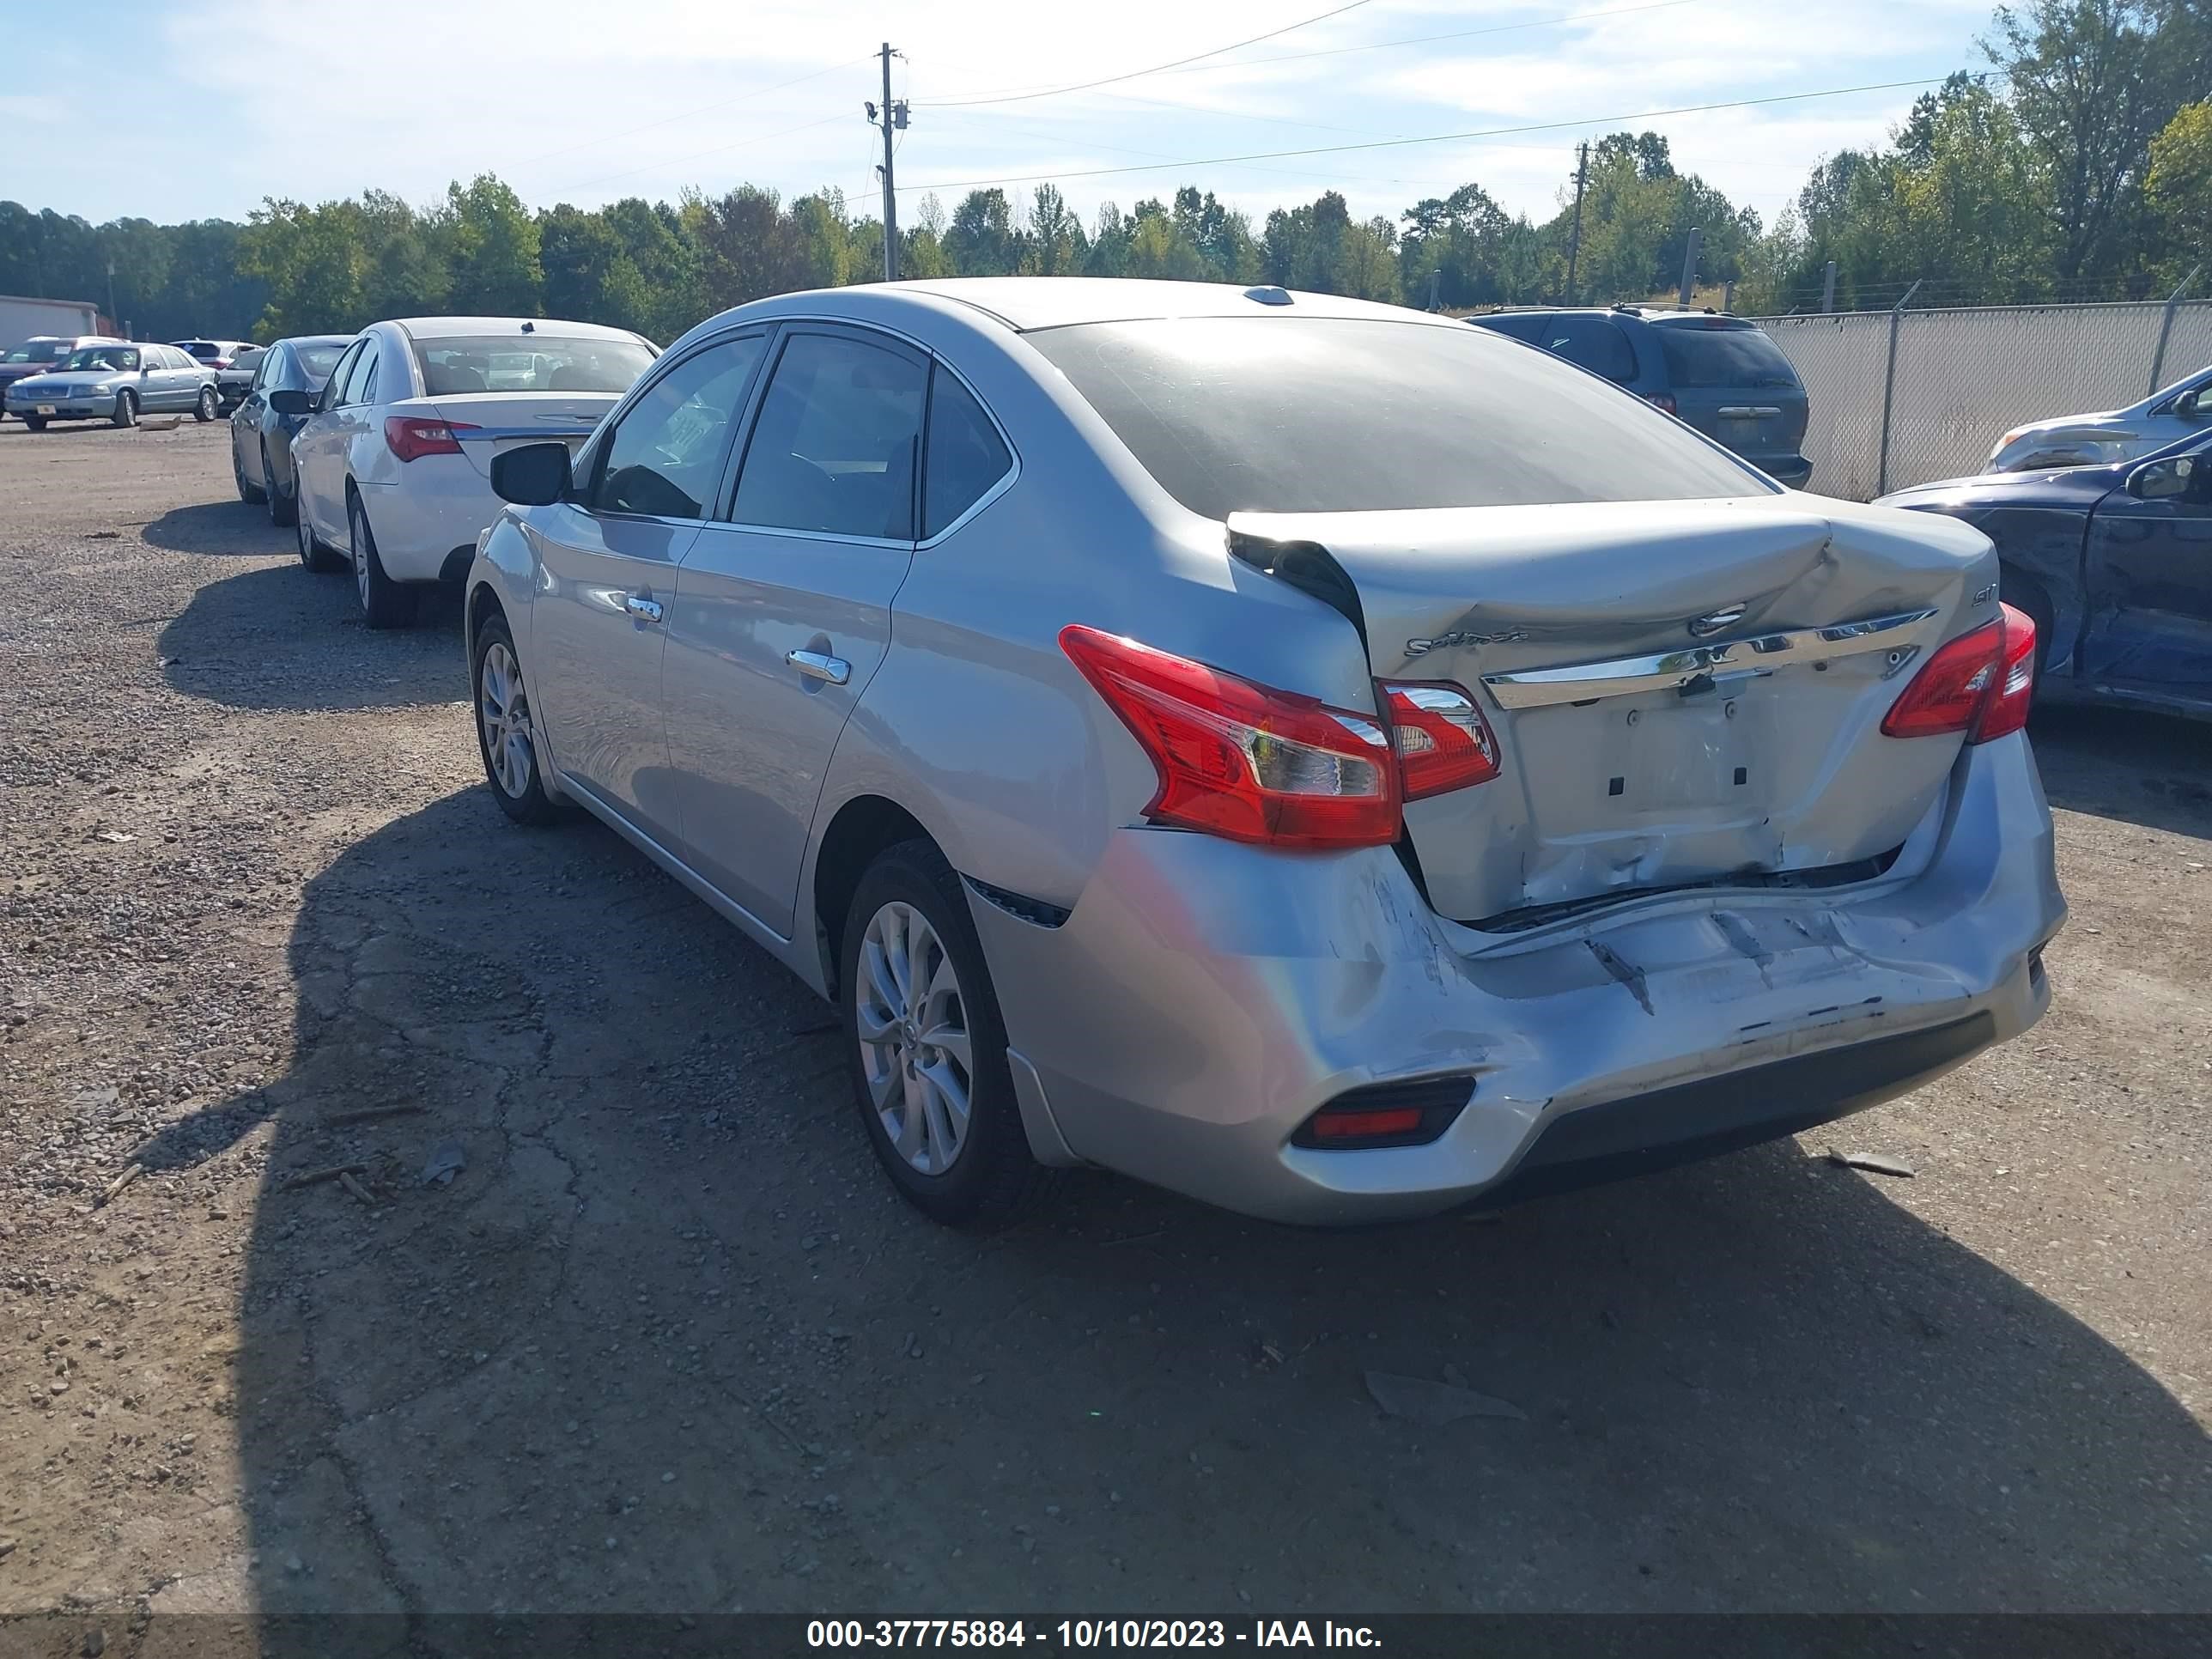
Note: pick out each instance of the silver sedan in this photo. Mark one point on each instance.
(1329, 761)
(2174, 412)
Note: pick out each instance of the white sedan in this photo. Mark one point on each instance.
(393, 465)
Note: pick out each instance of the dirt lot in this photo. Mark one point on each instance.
(667, 1343)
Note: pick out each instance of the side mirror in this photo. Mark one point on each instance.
(2162, 481)
(2190, 406)
(533, 475)
(290, 400)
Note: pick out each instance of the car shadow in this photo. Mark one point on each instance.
(2149, 769)
(281, 636)
(231, 529)
(666, 1342)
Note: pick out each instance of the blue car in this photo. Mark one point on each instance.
(1722, 374)
(2114, 562)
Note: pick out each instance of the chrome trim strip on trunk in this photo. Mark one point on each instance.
(1668, 671)
(482, 435)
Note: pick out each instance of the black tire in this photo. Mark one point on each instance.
(284, 507)
(203, 410)
(2027, 594)
(251, 493)
(383, 602)
(529, 803)
(993, 1179)
(125, 412)
(36, 423)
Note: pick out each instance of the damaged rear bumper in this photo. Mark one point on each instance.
(1203, 1000)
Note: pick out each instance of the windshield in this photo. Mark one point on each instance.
(534, 362)
(1699, 354)
(37, 352)
(106, 358)
(1329, 414)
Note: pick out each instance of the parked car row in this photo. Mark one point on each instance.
(1322, 758)
(377, 447)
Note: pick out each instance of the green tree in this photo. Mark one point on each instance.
(492, 251)
(589, 274)
(2180, 185)
(980, 241)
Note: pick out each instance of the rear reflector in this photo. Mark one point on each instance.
(1979, 683)
(1442, 741)
(410, 437)
(1241, 760)
(1405, 1114)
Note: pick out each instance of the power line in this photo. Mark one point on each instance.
(1433, 138)
(1156, 69)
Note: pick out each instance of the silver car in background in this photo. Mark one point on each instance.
(116, 383)
(1324, 759)
(2175, 412)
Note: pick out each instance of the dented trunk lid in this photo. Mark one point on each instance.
(1682, 692)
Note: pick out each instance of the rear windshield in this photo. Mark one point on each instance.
(38, 351)
(319, 360)
(206, 350)
(1701, 355)
(531, 362)
(1330, 414)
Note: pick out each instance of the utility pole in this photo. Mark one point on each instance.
(1828, 290)
(112, 317)
(1575, 242)
(891, 117)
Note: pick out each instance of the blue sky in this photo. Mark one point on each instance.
(588, 103)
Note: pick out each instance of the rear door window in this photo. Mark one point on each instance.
(835, 446)
(1595, 344)
(1700, 357)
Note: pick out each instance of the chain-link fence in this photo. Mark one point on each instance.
(1901, 398)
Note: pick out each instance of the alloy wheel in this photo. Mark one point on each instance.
(503, 709)
(915, 1048)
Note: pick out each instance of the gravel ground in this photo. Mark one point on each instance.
(666, 1343)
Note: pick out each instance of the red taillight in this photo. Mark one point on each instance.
(410, 437)
(1980, 684)
(218, 363)
(1240, 760)
(2007, 711)
(1442, 739)
(1661, 399)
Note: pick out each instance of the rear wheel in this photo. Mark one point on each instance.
(125, 412)
(929, 1047)
(507, 731)
(383, 602)
(203, 410)
(246, 492)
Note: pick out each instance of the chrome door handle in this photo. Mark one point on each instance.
(643, 609)
(820, 665)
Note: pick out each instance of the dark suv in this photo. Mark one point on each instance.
(1722, 374)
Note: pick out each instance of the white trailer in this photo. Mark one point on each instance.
(21, 317)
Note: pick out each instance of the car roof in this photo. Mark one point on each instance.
(1023, 303)
(439, 328)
